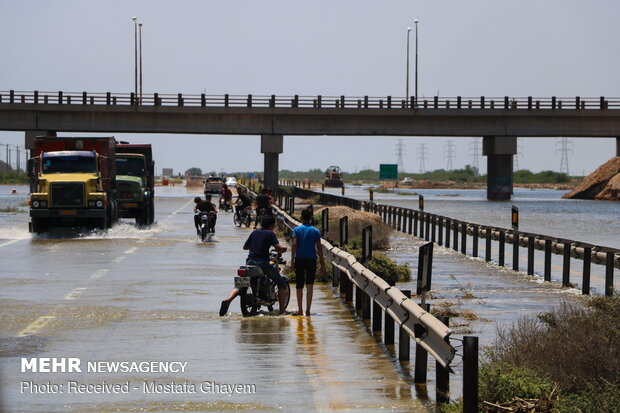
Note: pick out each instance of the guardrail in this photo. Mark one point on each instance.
(388, 306)
(319, 101)
(433, 227)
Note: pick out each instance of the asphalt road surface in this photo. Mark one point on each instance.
(149, 298)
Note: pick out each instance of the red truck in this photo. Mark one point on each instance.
(135, 180)
(73, 183)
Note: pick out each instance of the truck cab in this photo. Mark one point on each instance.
(72, 183)
(135, 171)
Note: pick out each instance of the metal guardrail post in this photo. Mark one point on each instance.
(410, 221)
(448, 232)
(470, 374)
(342, 278)
(60, 97)
(547, 272)
(515, 250)
(416, 216)
(530, 254)
(226, 100)
(455, 239)
(487, 244)
(359, 293)
(335, 277)
(249, 101)
(203, 100)
(566, 265)
(587, 260)
(442, 376)
(609, 274)
(474, 252)
(366, 306)
(427, 229)
(422, 217)
(36, 96)
(404, 348)
(463, 238)
(388, 331)
(502, 247)
(84, 98)
(377, 318)
(433, 227)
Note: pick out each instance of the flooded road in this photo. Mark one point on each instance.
(152, 295)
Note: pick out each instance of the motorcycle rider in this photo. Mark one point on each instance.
(205, 206)
(258, 244)
(263, 205)
(226, 195)
(243, 201)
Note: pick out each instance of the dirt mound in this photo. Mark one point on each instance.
(604, 183)
(357, 221)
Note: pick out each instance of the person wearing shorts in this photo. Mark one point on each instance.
(306, 247)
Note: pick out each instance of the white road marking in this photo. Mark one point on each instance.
(74, 293)
(182, 208)
(36, 325)
(11, 242)
(99, 273)
(117, 260)
(131, 250)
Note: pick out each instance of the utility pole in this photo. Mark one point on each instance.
(422, 155)
(449, 153)
(17, 157)
(564, 146)
(400, 152)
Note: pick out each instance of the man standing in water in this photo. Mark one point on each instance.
(306, 244)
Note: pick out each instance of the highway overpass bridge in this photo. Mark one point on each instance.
(498, 120)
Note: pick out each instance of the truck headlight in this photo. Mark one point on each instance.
(35, 204)
(99, 204)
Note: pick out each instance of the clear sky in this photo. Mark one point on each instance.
(468, 48)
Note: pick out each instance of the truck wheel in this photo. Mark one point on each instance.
(102, 223)
(39, 226)
(151, 217)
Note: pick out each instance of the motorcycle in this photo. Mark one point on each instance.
(207, 232)
(243, 218)
(225, 206)
(256, 289)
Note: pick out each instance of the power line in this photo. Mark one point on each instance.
(400, 153)
(564, 146)
(422, 155)
(519, 154)
(449, 154)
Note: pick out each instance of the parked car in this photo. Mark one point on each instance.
(406, 181)
(231, 181)
(213, 185)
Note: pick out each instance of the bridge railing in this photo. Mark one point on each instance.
(316, 102)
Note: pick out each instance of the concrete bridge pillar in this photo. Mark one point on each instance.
(272, 147)
(499, 151)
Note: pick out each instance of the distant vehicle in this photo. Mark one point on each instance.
(213, 185)
(406, 180)
(135, 181)
(333, 177)
(231, 181)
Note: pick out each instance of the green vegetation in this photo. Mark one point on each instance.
(567, 360)
(467, 174)
(194, 171)
(13, 177)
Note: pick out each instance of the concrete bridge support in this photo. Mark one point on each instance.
(499, 151)
(272, 147)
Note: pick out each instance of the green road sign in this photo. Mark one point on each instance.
(388, 171)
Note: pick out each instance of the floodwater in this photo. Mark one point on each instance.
(152, 295)
(483, 297)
